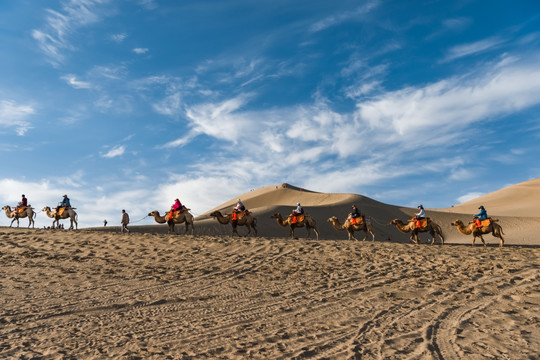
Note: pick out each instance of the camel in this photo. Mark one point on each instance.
(67, 213)
(431, 227)
(28, 212)
(183, 217)
(308, 222)
(247, 220)
(351, 228)
(493, 228)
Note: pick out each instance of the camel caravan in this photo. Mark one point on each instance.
(23, 209)
(240, 217)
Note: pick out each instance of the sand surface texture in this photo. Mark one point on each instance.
(98, 295)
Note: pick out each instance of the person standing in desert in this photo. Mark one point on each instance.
(125, 221)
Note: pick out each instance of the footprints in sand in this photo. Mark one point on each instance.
(97, 295)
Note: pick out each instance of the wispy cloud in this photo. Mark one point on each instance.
(339, 18)
(140, 51)
(75, 83)
(118, 38)
(359, 147)
(55, 38)
(468, 196)
(118, 150)
(445, 105)
(480, 46)
(16, 115)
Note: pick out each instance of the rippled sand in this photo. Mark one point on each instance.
(95, 295)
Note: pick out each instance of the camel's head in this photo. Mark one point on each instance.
(395, 221)
(332, 219)
(214, 213)
(6, 207)
(155, 212)
(276, 216)
(46, 208)
(457, 223)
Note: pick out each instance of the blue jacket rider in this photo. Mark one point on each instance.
(482, 215)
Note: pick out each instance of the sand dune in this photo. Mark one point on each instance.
(520, 200)
(282, 198)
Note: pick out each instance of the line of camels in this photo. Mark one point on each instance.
(250, 222)
(28, 212)
(307, 221)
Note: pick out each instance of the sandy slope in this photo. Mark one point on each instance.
(520, 200)
(96, 295)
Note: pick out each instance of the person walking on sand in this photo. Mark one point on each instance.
(125, 221)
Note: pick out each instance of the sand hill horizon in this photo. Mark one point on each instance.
(514, 205)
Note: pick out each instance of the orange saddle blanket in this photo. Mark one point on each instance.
(22, 208)
(482, 223)
(421, 223)
(238, 216)
(358, 220)
(297, 218)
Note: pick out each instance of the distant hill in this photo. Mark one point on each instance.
(521, 200)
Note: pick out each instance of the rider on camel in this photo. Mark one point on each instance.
(64, 203)
(420, 215)
(296, 212)
(355, 213)
(175, 207)
(23, 203)
(482, 215)
(238, 209)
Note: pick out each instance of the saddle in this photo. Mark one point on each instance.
(481, 223)
(238, 215)
(358, 220)
(22, 208)
(421, 223)
(297, 218)
(61, 210)
(171, 214)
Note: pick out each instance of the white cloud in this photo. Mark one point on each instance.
(140, 51)
(16, 115)
(181, 141)
(54, 39)
(447, 106)
(77, 84)
(222, 120)
(468, 196)
(339, 18)
(463, 50)
(170, 105)
(118, 38)
(117, 150)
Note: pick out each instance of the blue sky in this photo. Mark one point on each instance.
(128, 104)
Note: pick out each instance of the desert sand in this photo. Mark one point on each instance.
(94, 294)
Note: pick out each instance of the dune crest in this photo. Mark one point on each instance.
(516, 200)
